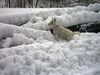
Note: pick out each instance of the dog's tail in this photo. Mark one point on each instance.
(77, 33)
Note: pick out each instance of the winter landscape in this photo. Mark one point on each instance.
(27, 47)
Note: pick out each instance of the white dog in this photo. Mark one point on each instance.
(61, 32)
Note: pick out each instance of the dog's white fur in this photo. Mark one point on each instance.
(61, 32)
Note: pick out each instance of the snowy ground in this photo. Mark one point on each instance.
(31, 50)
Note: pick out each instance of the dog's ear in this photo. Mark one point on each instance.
(48, 23)
(54, 20)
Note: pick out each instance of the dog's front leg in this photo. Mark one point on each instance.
(56, 37)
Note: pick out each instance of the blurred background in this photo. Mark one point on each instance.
(44, 3)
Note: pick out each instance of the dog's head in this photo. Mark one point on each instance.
(52, 23)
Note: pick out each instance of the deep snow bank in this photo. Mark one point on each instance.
(41, 21)
(21, 16)
(78, 57)
(15, 35)
(65, 16)
(17, 16)
(17, 19)
(7, 30)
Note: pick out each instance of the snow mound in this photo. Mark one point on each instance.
(22, 16)
(18, 19)
(94, 7)
(77, 57)
(17, 39)
(7, 30)
(11, 35)
(65, 16)
(64, 20)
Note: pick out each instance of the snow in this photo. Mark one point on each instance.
(94, 7)
(77, 57)
(32, 50)
(65, 16)
(20, 35)
(21, 16)
(17, 16)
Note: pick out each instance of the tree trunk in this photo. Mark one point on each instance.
(9, 4)
(36, 3)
